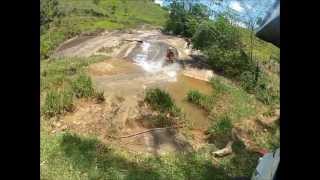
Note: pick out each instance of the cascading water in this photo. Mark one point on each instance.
(155, 64)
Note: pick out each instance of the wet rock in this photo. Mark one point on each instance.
(200, 74)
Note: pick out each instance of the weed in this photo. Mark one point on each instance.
(57, 102)
(220, 131)
(99, 96)
(204, 101)
(161, 120)
(159, 100)
(67, 101)
(52, 104)
(194, 96)
(82, 87)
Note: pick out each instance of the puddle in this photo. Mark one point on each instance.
(178, 91)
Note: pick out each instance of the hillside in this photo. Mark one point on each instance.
(84, 16)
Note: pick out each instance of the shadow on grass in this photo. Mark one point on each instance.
(100, 162)
(244, 162)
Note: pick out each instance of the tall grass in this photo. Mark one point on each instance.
(82, 87)
(62, 80)
(220, 131)
(197, 98)
(159, 100)
(57, 102)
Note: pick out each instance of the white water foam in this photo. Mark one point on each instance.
(155, 66)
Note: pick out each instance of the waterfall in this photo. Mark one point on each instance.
(155, 66)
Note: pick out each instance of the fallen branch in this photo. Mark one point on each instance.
(146, 131)
(225, 151)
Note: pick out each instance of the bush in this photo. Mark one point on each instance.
(82, 87)
(159, 100)
(220, 33)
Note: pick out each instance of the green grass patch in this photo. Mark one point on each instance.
(69, 156)
(62, 80)
(233, 101)
(200, 99)
(220, 131)
(57, 102)
(159, 100)
(82, 87)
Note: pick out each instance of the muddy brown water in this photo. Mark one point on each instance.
(178, 91)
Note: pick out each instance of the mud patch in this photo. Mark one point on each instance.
(111, 67)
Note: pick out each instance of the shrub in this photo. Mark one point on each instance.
(82, 87)
(159, 100)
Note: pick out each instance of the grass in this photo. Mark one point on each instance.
(263, 51)
(233, 101)
(200, 99)
(57, 102)
(82, 87)
(62, 80)
(86, 16)
(159, 100)
(220, 131)
(68, 156)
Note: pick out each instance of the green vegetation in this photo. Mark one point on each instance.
(220, 131)
(61, 81)
(161, 101)
(63, 19)
(82, 87)
(253, 88)
(229, 48)
(68, 156)
(57, 103)
(200, 99)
